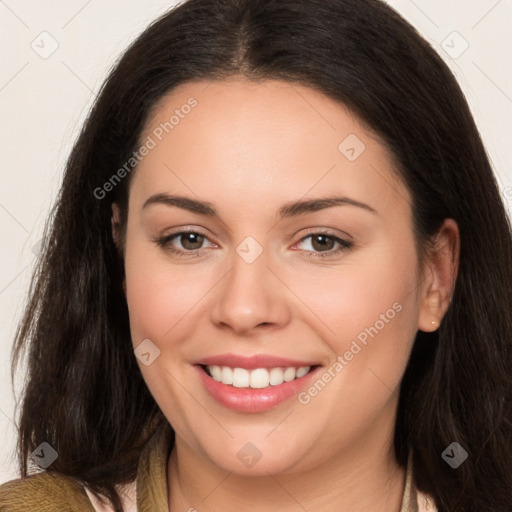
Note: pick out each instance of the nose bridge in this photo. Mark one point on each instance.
(249, 296)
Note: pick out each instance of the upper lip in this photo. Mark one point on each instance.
(252, 362)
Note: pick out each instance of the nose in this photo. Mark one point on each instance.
(250, 297)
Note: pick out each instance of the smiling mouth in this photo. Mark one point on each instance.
(258, 378)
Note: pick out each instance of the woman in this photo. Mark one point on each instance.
(277, 277)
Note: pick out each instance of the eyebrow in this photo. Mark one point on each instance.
(291, 209)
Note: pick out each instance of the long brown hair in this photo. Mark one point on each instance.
(84, 391)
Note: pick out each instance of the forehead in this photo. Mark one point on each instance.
(242, 142)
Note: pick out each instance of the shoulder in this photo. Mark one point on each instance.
(44, 492)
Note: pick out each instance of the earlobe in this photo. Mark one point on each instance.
(431, 312)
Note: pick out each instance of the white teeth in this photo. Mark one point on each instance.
(227, 375)
(258, 378)
(289, 374)
(302, 371)
(276, 376)
(240, 378)
(216, 373)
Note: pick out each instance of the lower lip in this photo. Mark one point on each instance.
(250, 399)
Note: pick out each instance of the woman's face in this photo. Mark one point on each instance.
(300, 254)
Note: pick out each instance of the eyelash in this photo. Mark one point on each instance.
(163, 242)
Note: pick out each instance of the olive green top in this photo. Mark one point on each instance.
(51, 492)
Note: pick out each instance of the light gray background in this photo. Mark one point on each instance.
(44, 99)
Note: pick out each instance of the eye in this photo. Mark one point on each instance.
(324, 243)
(190, 241)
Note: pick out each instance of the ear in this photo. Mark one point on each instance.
(440, 274)
(116, 235)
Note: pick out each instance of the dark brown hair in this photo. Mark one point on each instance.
(84, 391)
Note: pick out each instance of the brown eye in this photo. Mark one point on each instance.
(322, 242)
(190, 241)
(184, 243)
(324, 245)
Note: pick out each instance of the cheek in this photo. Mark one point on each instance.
(371, 316)
(368, 316)
(159, 299)
(158, 293)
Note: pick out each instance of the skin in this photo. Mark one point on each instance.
(249, 148)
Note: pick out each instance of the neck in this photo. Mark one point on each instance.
(357, 478)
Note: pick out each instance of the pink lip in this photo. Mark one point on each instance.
(254, 400)
(252, 362)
